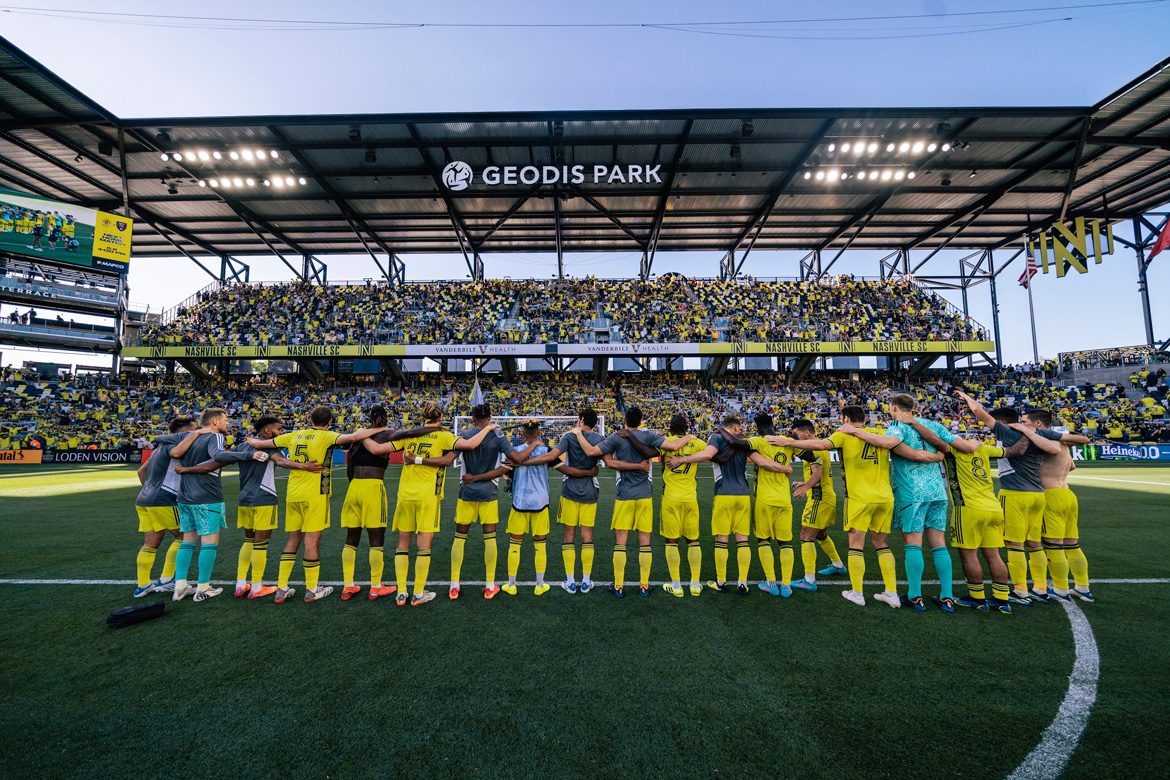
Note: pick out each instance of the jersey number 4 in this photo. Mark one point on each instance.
(869, 452)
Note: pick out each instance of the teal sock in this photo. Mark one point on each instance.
(206, 562)
(915, 565)
(942, 565)
(183, 560)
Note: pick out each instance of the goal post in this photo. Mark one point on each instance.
(552, 427)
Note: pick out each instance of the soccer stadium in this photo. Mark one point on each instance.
(419, 444)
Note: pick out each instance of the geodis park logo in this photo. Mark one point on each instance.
(458, 175)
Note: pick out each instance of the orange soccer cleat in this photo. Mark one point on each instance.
(490, 593)
(349, 591)
(266, 590)
(382, 590)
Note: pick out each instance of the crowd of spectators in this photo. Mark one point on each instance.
(668, 309)
(1115, 356)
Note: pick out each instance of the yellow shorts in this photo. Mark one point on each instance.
(365, 504)
(158, 518)
(819, 513)
(731, 515)
(257, 518)
(570, 512)
(974, 528)
(633, 515)
(520, 523)
(482, 512)
(1023, 515)
(678, 518)
(1061, 513)
(868, 516)
(773, 522)
(418, 516)
(307, 516)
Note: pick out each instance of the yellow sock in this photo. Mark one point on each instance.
(1000, 592)
(619, 565)
(312, 573)
(1077, 563)
(244, 561)
(856, 569)
(586, 560)
(829, 548)
(1018, 569)
(743, 559)
(259, 562)
(513, 559)
(674, 562)
(569, 556)
(695, 559)
(1058, 563)
(489, 555)
(377, 562)
(975, 590)
(348, 564)
(422, 567)
(401, 568)
(287, 561)
(645, 559)
(720, 562)
(786, 560)
(808, 558)
(457, 556)
(145, 564)
(889, 570)
(1038, 563)
(541, 557)
(767, 559)
(168, 571)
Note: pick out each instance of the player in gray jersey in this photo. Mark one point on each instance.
(257, 504)
(201, 507)
(157, 510)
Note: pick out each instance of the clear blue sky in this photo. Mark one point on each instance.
(137, 70)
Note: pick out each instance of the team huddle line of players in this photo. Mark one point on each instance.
(902, 477)
(52, 227)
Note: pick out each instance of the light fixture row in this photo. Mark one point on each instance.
(830, 175)
(867, 146)
(203, 155)
(231, 182)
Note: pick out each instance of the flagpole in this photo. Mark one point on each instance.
(1032, 314)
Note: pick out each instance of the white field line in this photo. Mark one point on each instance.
(820, 582)
(1048, 760)
(1126, 481)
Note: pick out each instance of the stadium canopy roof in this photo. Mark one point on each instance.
(730, 179)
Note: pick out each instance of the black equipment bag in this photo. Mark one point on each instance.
(128, 616)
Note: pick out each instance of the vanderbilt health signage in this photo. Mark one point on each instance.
(326, 351)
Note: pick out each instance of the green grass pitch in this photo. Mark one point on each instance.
(720, 686)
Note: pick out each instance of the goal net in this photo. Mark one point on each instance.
(552, 427)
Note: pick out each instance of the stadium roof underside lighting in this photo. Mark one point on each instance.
(731, 180)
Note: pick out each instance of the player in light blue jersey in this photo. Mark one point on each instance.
(529, 507)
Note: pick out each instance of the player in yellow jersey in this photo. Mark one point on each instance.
(976, 525)
(869, 499)
(820, 512)
(306, 511)
(420, 489)
(678, 514)
(1060, 530)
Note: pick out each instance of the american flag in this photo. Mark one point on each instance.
(1029, 271)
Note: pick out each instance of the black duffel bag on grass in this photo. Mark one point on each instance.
(128, 616)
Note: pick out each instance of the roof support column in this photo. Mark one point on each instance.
(1143, 287)
(994, 307)
(313, 270)
(232, 270)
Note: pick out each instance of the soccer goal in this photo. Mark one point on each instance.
(552, 427)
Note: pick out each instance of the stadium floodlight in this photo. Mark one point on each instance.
(917, 148)
(931, 147)
(289, 181)
(250, 182)
(858, 147)
(267, 183)
(832, 147)
(165, 156)
(898, 175)
(202, 183)
(274, 154)
(904, 147)
(886, 174)
(237, 182)
(807, 175)
(844, 147)
(302, 180)
(861, 174)
(820, 175)
(911, 175)
(214, 182)
(279, 182)
(844, 175)
(178, 156)
(890, 147)
(172, 189)
(946, 147)
(217, 155)
(971, 175)
(247, 153)
(204, 155)
(227, 183)
(872, 148)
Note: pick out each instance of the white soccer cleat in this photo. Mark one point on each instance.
(855, 597)
(421, 598)
(204, 595)
(889, 597)
(317, 594)
(182, 592)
